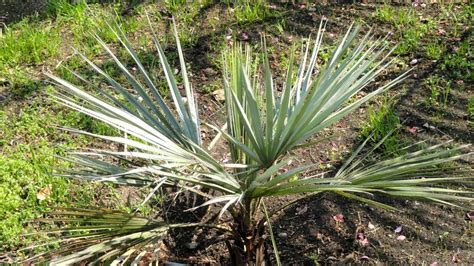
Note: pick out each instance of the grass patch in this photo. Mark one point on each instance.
(381, 121)
(434, 50)
(407, 26)
(247, 12)
(440, 89)
(460, 64)
(470, 109)
(27, 184)
(28, 42)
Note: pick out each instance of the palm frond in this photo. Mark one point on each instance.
(98, 236)
(413, 175)
(308, 103)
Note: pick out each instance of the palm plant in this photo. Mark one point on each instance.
(263, 127)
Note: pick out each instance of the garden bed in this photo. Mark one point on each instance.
(434, 104)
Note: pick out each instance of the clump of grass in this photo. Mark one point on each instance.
(434, 50)
(28, 42)
(397, 17)
(27, 184)
(440, 89)
(382, 121)
(247, 12)
(408, 28)
(460, 64)
(470, 107)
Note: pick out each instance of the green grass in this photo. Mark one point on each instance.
(470, 107)
(434, 50)
(29, 139)
(27, 161)
(460, 64)
(440, 89)
(407, 26)
(37, 42)
(381, 121)
(27, 43)
(248, 12)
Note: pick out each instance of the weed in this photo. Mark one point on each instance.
(26, 171)
(443, 240)
(28, 43)
(399, 18)
(410, 38)
(460, 64)
(439, 91)
(175, 5)
(381, 122)
(434, 50)
(385, 14)
(406, 25)
(315, 258)
(470, 108)
(247, 12)
(211, 87)
(19, 81)
(280, 26)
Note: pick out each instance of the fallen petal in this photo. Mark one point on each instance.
(364, 242)
(413, 130)
(401, 237)
(371, 226)
(338, 218)
(398, 229)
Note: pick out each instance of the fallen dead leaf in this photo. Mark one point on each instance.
(44, 193)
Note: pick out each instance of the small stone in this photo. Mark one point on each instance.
(283, 235)
(219, 95)
(192, 245)
(401, 237)
(209, 72)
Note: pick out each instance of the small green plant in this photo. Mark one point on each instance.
(211, 87)
(400, 18)
(382, 122)
(315, 258)
(280, 26)
(439, 91)
(411, 36)
(175, 5)
(470, 110)
(460, 64)
(434, 50)
(385, 13)
(409, 30)
(443, 240)
(247, 11)
(265, 124)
